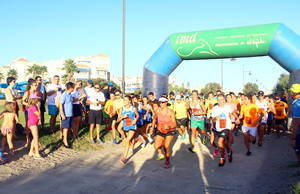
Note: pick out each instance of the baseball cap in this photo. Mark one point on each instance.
(163, 99)
(295, 88)
(90, 81)
(109, 83)
(260, 93)
(178, 97)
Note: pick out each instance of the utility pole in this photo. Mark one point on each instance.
(222, 83)
(123, 45)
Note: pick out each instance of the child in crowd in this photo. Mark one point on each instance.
(10, 119)
(32, 123)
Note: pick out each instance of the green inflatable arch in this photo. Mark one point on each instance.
(274, 40)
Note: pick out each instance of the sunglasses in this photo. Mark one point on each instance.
(97, 88)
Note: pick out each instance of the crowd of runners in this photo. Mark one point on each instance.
(214, 119)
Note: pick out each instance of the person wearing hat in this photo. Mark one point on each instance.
(164, 119)
(295, 125)
(263, 105)
(181, 114)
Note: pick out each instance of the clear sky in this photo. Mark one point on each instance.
(48, 30)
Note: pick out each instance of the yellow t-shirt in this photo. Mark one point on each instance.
(109, 107)
(280, 112)
(209, 104)
(251, 114)
(118, 104)
(180, 110)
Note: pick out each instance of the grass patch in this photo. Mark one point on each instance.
(51, 142)
(296, 188)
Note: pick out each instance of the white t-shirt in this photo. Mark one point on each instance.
(89, 91)
(263, 105)
(223, 117)
(96, 97)
(75, 95)
(52, 87)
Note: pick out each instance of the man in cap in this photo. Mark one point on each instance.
(263, 105)
(295, 126)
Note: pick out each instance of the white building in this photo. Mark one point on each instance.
(134, 83)
(89, 67)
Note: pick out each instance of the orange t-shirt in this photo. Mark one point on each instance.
(251, 114)
(280, 112)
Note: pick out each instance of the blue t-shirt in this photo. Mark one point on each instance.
(296, 108)
(67, 101)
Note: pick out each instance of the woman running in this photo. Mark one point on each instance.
(129, 116)
(164, 118)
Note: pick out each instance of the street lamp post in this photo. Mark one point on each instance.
(222, 86)
(123, 45)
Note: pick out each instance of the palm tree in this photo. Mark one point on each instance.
(1, 76)
(36, 70)
(70, 68)
(12, 73)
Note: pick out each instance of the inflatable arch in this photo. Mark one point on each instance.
(274, 40)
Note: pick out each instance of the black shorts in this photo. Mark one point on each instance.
(170, 133)
(77, 110)
(95, 117)
(280, 122)
(223, 133)
(181, 122)
(42, 106)
(115, 117)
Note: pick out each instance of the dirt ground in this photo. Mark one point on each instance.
(270, 169)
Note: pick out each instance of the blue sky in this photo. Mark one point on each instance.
(46, 30)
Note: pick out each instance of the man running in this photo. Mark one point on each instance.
(263, 105)
(181, 113)
(250, 112)
(221, 115)
(197, 112)
(281, 113)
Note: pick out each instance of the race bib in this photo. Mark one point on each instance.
(128, 121)
(222, 123)
(248, 120)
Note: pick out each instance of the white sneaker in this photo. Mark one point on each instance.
(150, 139)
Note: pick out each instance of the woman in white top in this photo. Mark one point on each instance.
(10, 94)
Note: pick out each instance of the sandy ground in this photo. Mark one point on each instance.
(268, 170)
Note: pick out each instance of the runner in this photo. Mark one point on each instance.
(263, 105)
(129, 117)
(118, 105)
(197, 112)
(251, 115)
(181, 114)
(281, 113)
(221, 115)
(234, 116)
(164, 118)
(110, 110)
